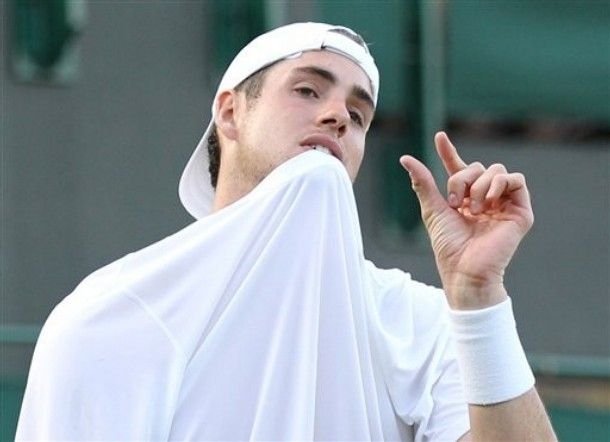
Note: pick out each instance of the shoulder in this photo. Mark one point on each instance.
(100, 319)
(102, 355)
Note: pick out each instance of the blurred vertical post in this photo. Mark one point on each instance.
(430, 76)
(276, 13)
(233, 23)
(425, 43)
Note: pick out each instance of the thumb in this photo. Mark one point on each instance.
(422, 182)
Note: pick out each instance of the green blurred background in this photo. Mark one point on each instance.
(103, 102)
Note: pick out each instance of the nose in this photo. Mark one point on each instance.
(334, 115)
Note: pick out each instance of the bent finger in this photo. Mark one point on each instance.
(458, 184)
(512, 185)
(479, 191)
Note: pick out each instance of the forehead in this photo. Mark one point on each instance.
(346, 70)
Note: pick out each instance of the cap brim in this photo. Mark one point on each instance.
(195, 188)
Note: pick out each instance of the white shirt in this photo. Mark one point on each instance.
(262, 321)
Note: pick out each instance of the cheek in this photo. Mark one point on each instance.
(355, 158)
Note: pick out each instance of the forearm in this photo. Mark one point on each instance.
(498, 382)
(521, 419)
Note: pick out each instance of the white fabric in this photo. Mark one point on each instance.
(262, 321)
(195, 189)
(490, 355)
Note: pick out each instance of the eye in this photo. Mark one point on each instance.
(306, 92)
(356, 118)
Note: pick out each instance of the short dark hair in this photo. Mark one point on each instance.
(252, 87)
(213, 155)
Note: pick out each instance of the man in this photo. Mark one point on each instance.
(263, 320)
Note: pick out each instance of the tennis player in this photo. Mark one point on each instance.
(263, 320)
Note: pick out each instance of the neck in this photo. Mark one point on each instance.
(229, 190)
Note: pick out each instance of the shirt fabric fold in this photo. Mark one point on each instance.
(262, 321)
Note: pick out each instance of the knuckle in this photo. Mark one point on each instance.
(519, 177)
(477, 165)
(498, 167)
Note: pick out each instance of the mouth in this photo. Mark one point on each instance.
(322, 149)
(325, 144)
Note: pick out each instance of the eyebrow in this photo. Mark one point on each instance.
(358, 91)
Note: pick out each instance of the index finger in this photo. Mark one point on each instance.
(448, 154)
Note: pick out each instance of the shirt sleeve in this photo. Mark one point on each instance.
(410, 325)
(103, 369)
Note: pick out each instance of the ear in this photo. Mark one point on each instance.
(225, 120)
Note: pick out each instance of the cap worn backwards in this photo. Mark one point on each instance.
(195, 189)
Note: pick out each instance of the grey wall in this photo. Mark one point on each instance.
(90, 172)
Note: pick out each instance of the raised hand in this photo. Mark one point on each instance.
(476, 229)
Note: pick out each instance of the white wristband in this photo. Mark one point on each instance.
(490, 356)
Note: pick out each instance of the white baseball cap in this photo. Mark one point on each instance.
(195, 189)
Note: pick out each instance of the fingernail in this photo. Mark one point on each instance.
(452, 199)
